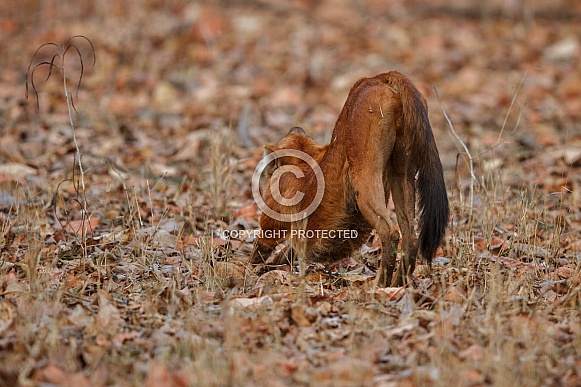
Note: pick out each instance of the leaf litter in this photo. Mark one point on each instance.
(142, 287)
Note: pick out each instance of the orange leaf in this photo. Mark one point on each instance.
(158, 375)
(389, 294)
(50, 374)
(249, 212)
(76, 226)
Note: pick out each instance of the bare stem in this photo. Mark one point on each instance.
(468, 154)
(83, 200)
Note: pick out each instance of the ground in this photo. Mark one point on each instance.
(121, 275)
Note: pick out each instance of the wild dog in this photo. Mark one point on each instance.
(382, 144)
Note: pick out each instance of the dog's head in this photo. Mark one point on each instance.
(296, 139)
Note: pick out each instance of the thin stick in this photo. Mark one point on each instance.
(466, 151)
(60, 56)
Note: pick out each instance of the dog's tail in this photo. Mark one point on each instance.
(433, 200)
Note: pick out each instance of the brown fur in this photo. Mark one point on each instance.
(382, 144)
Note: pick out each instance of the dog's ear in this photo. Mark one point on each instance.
(269, 149)
(296, 129)
(318, 156)
(324, 148)
(269, 169)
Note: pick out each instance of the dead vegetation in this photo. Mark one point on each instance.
(130, 280)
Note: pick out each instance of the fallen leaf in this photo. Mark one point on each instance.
(528, 251)
(564, 49)
(17, 170)
(14, 288)
(473, 353)
(572, 156)
(512, 263)
(298, 316)
(6, 315)
(389, 294)
(108, 318)
(77, 379)
(79, 317)
(564, 272)
(401, 330)
(157, 375)
(473, 377)
(76, 226)
(272, 279)
(243, 303)
(248, 213)
(231, 269)
(454, 295)
(120, 338)
(345, 372)
(119, 236)
(102, 340)
(50, 374)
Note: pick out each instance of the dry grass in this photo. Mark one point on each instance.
(502, 312)
(119, 275)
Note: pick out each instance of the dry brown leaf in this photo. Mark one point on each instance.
(79, 317)
(358, 279)
(120, 338)
(118, 236)
(157, 237)
(14, 288)
(190, 240)
(232, 269)
(76, 226)
(389, 294)
(473, 353)
(190, 148)
(243, 303)
(345, 372)
(401, 330)
(102, 340)
(183, 378)
(77, 379)
(191, 69)
(453, 294)
(17, 170)
(564, 272)
(473, 377)
(248, 213)
(6, 315)
(298, 315)
(512, 263)
(130, 268)
(527, 250)
(108, 318)
(316, 277)
(165, 96)
(272, 279)
(157, 375)
(572, 156)
(50, 374)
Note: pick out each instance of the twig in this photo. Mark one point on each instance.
(60, 56)
(466, 151)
